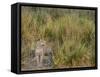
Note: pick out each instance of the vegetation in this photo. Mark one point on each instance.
(70, 33)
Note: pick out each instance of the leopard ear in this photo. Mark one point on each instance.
(38, 39)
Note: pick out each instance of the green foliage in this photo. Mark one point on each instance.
(71, 34)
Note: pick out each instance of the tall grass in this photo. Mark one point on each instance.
(71, 34)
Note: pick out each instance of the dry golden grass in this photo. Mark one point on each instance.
(70, 33)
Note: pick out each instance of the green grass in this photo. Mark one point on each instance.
(71, 35)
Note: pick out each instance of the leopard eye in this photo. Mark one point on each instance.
(42, 44)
